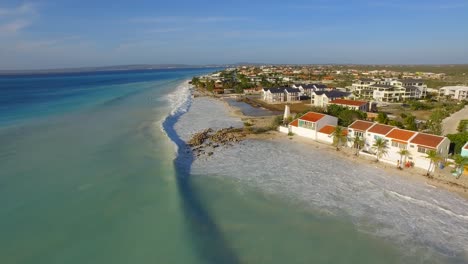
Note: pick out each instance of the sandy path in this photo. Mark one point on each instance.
(450, 123)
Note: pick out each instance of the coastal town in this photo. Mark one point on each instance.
(411, 120)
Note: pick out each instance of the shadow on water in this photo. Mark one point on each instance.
(208, 239)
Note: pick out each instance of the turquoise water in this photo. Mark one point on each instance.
(87, 176)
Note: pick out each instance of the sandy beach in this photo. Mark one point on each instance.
(335, 182)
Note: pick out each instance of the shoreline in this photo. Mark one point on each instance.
(414, 175)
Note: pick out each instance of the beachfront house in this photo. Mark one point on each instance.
(374, 132)
(321, 98)
(351, 104)
(464, 150)
(422, 143)
(309, 124)
(325, 134)
(358, 129)
(292, 94)
(397, 139)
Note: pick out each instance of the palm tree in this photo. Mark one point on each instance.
(460, 163)
(338, 137)
(433, 158)
(405, 153)
(358, 143)
(381, 148)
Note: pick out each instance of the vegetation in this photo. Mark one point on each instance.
(463, 126)
(433, 158)
(380, 147)
(434, 124)
(382, 118)
(403, 153)
(458, 140)
(345, 116)
(460, 163)
(409, 123)
(339, 137)
(358, 143)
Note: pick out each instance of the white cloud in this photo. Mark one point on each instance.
(23, 9)
(14, 26)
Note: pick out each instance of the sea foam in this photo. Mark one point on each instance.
(414, 215)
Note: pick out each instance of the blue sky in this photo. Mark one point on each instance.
(66, 33)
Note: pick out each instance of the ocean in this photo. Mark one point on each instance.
(93, 169)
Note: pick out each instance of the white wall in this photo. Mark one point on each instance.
(324, 138)
(304, 132)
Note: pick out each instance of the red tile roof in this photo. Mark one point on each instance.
(466, 145)
(427, 140)
(312, 117)
(329, 129)
(361, 125)
(400, 135)
(348, 102)
(295, 123)
(380, 129)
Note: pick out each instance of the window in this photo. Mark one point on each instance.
(358, 134)
(394, 144)
(422, 150)
(307, 124)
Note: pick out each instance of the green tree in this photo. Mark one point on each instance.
(382, 118)
(403, 153)
(195, 81)
(339, 137)
(210, 85)
(435, 121)
(410, 123)
(380, 147)
(433, 158)
(459, 140)
(358, 143)
(460, 163)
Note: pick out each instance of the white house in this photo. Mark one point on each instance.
(374, 132)
(309, 124)
(321, 98)
(358, 129)
(422, 143)
(292, 94)
(455, 92)
(325, 134)
(274, 95)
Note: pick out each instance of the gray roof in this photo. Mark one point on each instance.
(292, 90)
(277, 90)
(411, 81)
(366, 80)
(333, 94)
(382, 86)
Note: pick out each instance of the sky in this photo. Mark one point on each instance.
(68, 33)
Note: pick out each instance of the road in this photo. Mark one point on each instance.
(450, 123)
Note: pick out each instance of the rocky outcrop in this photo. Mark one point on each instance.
(204, 142)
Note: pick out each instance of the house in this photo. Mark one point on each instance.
(274, 95)
(455, 92)
(374, 132)
(325, 134)
(351, 104)
(309, 124)
(358, 129)
(307, 89)
(423, 143)
(389, 89)
(292, 94)
(464, 150)
(321, 98)
(397, 139)
(417, 144)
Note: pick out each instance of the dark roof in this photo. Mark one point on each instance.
(333, 94)
(411, 80)
(320, 86)
(292, 90)
(382, 86)
(366, 80)
(277, 90)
